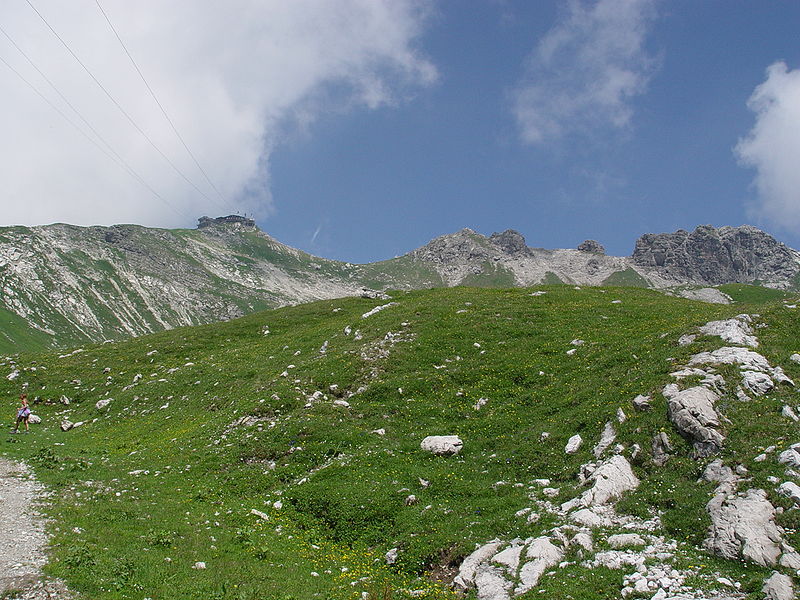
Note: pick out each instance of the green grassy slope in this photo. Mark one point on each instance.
(161, 478)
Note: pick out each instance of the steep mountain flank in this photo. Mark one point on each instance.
(90, 284)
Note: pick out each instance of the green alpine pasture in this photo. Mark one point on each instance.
(280, 449)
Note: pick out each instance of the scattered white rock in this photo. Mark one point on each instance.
(590, 518)
(758, 383)
(790, 489)
(710, 295)
(788, 412)
(610, 480)
(34, 419)
(621, 416)
(686, 339)
(692, 412)
(790, 456)
(377, 309)
(66, 425)
(573, 444)
(734, 331)
(199, 564)
(509, 558)
(607, 438)
(571, 352)
(391, 556)
(641, 403)
(795, 358)
(442, 445)
(625, 540)
(101, 404)
(491, 583)
(543, 555)
(466, 572)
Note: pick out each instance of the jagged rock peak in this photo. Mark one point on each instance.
(718, 255)
(510, 242)
(234, 220)
(592, 247)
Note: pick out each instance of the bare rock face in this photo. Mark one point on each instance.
(592, 247)
(714, 256)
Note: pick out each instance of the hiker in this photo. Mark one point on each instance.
(23, 412)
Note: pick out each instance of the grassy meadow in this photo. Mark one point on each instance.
(312, 416)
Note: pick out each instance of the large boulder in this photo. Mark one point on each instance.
(692, 412)
(442, 445)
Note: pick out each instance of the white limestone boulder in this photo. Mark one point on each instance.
(442, 445)
(573, 444)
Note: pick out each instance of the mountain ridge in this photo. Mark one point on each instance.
(74, 285)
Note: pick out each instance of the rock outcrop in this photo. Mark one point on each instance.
(743, 526)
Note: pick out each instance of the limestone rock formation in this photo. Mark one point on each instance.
(715, 256)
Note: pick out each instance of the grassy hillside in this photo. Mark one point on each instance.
(207, 423)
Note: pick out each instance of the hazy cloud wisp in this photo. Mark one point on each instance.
(773, 146)
(584, 73)
(234, 77)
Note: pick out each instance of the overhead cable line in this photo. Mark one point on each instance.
(156, 100)
(117, 104)
(114, 157)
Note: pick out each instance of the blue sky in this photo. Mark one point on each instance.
(382, 183)
(360, 129)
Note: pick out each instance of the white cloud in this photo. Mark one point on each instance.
(584, 73)
(235, 77)
(773, 146)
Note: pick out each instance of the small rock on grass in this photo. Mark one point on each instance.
(573, 444)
